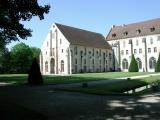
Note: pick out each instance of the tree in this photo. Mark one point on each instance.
(12, 13)
(36, 52)
(157, 66)
(35, 77)
(133, 65)
(4, 61)
(21, 58)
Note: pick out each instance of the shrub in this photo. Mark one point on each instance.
(35, 77)
(157, 66)
(133, 65)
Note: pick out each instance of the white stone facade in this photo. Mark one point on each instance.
(122, 49)
(59, 56)
(141, 39)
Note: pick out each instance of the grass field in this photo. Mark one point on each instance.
(116, 87)
(22, 78)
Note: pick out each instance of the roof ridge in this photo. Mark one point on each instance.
(140, 22)
(78, 28)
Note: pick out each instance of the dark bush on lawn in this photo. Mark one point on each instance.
(35, 77)
(133, 65)
(157, 66)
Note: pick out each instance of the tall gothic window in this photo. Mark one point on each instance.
(46, 66)
(62, 66)
(139, 62)
(125, 64)
(152, 62)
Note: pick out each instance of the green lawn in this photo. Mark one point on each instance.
(116, 87)
(22, 78)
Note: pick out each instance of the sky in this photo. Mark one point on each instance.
(93, 15)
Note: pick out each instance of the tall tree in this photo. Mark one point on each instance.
(12, 12)
(4, 61)
(36, 52)
(133, 65)
(21, 58)
(157, 66)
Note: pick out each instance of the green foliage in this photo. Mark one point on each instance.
(157, 66)
(4, 61)
(12, 12)
(35, 77)
(133, 65)
(21, 58)
(36, 52)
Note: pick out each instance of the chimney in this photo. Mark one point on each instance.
(113, 26)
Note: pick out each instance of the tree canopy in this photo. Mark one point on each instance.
(12, 13)
(21, 58)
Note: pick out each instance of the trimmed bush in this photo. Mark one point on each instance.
(157, 66)
(35, 77)
(133, 65)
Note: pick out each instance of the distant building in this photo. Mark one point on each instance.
(68, 50)
(141, 39)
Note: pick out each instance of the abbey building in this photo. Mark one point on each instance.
(68, 50)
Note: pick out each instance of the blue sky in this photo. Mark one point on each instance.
(93, 15)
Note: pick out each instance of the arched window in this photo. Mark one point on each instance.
(41, 57)
(52, 65)
(139, 62)
(62, 66)
(152, 62)
(125, 64)
(46, 66)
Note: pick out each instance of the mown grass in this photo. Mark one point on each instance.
(116, 87)
(51, 79)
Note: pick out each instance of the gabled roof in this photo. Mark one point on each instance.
(149, 27)
(83, 37)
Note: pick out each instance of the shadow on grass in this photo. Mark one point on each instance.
(10, 111)
(112, 88)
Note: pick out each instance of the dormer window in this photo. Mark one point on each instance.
(152, 29)
(114, 35)
(138, 31)
(125, 33)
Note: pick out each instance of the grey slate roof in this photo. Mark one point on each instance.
(81, 37)
(149, 27)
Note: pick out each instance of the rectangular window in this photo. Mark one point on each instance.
(149, 50)
(158, 38)
(124, 44)
(93, 52)
(60, 41)
(84, 61)
(126, 52)
(137, 42)
(155, 49)
(122, 52)
(75, 50)
(62, 50)
(85, 51)
(140, 50)
(151, 40)
(135, 51)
